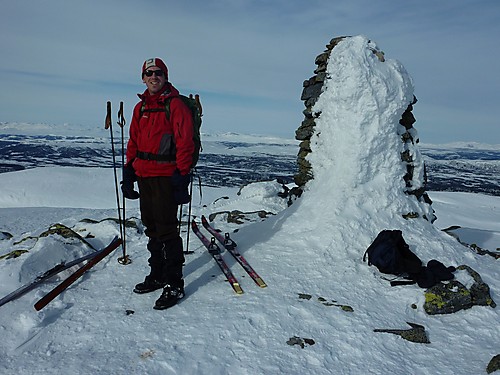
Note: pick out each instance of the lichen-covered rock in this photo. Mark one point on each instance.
(416, 334)
(13, 254)
(447, 298)
(454, 296)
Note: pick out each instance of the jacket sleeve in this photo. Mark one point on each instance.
(133, 134)
(182, 122)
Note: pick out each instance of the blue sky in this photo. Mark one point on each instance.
(63, 59)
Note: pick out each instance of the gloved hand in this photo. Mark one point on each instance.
(180, 186)
(129, 178)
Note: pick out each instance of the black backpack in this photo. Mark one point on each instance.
(390, 253)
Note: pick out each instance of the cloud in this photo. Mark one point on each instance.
(251, 55)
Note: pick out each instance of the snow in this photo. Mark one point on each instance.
(314, 247)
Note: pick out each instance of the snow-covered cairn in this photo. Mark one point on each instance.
(369, 101)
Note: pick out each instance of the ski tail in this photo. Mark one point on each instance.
(46, 276)
(44, 301)
(231, 247)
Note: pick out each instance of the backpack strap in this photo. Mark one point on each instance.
(166, 109)
(148, 155)
(401, 282)
(364, 257)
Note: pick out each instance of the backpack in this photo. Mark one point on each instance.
(390, 253)
(194, 105)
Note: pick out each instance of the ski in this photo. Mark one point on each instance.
(77, 274)
(230, 246)
(215, 252)
(45, 277)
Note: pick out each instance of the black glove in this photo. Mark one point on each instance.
(129, 178)
(180, 186)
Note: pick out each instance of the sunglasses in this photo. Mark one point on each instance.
(149, 73)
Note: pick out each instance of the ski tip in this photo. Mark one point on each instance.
(237, 288)
(261, 283)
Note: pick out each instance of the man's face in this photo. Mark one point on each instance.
(154, 78)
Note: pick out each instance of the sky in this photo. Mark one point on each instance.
(62, 60)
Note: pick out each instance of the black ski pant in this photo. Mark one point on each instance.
(159, 216)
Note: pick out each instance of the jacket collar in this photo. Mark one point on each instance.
(169, 92)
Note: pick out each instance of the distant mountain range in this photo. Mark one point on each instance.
(235, 159)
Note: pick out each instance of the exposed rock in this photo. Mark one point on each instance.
(480, 291)
(13, 254)
(302, 342)
(415, 334)
(65, 232)
(474, 247)
(494, 364)
(312, 91)
(5, 236)
(481, 251)
(325, 302)
(454, 296)
(58, 229)
(447, 298)
(239, 217)
(129, 223)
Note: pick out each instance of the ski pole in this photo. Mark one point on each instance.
(189, 214)
(179, 226)
(109, 125)
(125, 259)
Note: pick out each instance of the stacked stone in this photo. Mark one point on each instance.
(415, 182)
(310, 94)
(415, 177)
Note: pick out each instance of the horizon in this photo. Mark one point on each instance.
(71, 130)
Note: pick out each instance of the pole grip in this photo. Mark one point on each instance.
(121, 118)
(107, 122)
(198, 104)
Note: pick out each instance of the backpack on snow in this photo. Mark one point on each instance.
(390, 253)
(194, 105)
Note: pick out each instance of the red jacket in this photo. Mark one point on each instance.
(153, 133)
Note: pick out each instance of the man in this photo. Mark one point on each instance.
(159, 157)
